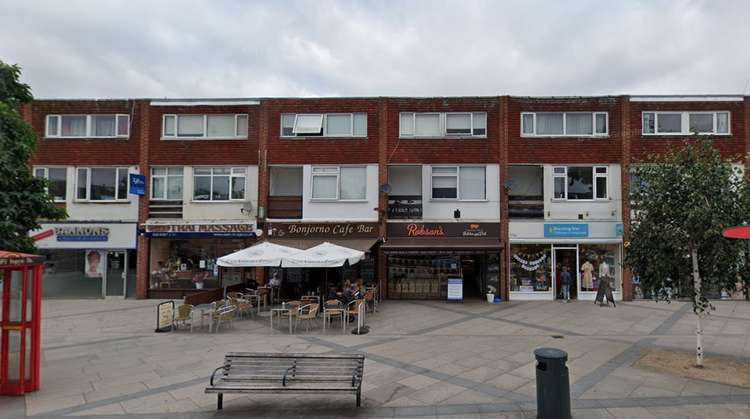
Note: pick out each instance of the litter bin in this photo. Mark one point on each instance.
(552, 384)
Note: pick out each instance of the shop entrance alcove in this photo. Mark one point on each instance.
(20, 322)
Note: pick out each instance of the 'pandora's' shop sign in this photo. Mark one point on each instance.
(298, 230)
(201, 230)
(64, 235)
(436, 230)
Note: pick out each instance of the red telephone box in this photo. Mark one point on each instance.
(20, 322)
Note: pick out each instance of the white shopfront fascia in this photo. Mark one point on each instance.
(86, 235)
(532, 232)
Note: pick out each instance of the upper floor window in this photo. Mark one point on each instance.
(685, 123)
(561, 124)
(166, 183)
(344, 183)
(580, 182)
(57, 181)
(102, 183)
(205, 126)
(219, 183)
(82, 126)
(324, 125)
(459, 182)
(437, 125)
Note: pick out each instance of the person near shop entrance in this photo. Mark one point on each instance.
(565, 281)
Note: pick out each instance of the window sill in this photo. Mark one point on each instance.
(203, 138)
(568, 137)
(88, 138)
(573, 201)
(447, 137)
(339, 201)
(681, 135)
(109, 202)
(320, 137)
(231, 201)
(457, 200)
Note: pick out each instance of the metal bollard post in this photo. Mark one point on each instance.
(552, 384)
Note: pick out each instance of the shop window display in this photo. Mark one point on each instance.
(530, 267)
(598, 263)
(191, 263)
(420, 276)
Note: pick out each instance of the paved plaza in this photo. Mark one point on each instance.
(424, 359)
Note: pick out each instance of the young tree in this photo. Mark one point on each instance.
(681, 202)
(23, 198)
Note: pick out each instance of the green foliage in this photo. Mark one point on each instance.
(682, 200)
(23, 198)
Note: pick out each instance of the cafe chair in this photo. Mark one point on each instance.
(308, 314)
(184, 315)
(224, 314)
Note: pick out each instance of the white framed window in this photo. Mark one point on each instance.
(564, 124)
(324, 125)
(102, 184)
(219, 183)
(580, 183)
(207, 126)
(88, 126)
(685, 123)
(339, 183)
(442, 124)
(57, 178)
(166, 183)
(464, 183)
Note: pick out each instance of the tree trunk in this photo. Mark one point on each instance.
(697, 306)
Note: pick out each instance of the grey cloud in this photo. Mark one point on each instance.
(327, 48)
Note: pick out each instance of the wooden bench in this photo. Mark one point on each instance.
(280, 373)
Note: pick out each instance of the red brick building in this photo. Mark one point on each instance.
(501, 191)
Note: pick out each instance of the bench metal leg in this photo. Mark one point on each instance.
(359, 397)
(220, 401)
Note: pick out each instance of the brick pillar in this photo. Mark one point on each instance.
(382, 115)
(627, 285)
(141, 116)
(504, 223)
(263, 178)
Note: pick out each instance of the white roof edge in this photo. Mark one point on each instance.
(205, 102)
(695, 98)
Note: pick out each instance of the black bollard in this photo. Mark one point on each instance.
(552, 384)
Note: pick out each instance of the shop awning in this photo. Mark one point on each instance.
(262, 254)
(357, 244)
(324, 255)
(443, 243)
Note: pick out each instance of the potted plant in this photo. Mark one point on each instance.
(491, 294)
(198, 279)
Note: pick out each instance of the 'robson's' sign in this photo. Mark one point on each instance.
(435, 230)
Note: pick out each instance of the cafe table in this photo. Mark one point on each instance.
(280, 311)
(205, 309)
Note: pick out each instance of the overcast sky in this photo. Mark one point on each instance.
(375, 48)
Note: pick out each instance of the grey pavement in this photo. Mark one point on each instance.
(425, 359)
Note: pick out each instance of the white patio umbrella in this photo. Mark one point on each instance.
(261, 254)
(324, 255)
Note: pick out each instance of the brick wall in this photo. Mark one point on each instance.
(322, 150)
(104, 151)
(409, 150)
(729, 145)
(564, 149)
(188, 152)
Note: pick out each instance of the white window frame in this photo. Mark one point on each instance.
(88, 184)
(89, 126)
(46, 176)
(593, 179)
(324, 125)
(205, 136)
(231, 175)
(685, 123)
(337, 174)
(443, 124)
(166, 182)
(458, 181)
(593, 134)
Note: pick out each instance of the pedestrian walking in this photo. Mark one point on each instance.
(565, 280)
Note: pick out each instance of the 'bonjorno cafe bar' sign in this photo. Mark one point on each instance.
(320, 230)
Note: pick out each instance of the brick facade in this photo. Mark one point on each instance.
(264, 146)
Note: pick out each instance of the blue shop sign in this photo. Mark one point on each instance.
(619, 230)
(566, 230)
(137, 184)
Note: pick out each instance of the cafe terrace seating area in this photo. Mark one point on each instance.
(215, 310)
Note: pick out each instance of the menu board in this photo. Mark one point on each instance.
(165, 317)
(455, 289)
